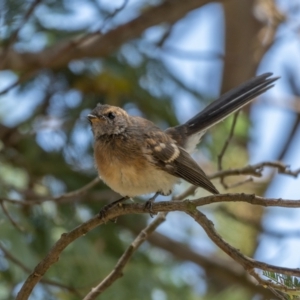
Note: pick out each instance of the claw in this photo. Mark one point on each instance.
(103, 211)
(149, 204)
(106, 208)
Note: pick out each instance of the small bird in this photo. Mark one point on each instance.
(135, 157)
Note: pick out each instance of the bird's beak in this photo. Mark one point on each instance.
(92, 118)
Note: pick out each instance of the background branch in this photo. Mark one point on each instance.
(253, 170)
(15, 34)
(100, 45)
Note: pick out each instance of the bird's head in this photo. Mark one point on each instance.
(108, 120)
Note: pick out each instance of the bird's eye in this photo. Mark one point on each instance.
(111, 115)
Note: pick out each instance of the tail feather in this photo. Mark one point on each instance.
(229, 103)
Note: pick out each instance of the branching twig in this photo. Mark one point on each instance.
(185, 206)
(253, 170)
(25, 76)
(225, 146)
(81, 40)
(13, 222)
(239, 183)
(118, 269)
(59, 199)
(277, 294)
(257, 225)
(15, 34)
(257, 169)
(221, 269)
(101, 45)
(78, 192)
(112, 15)
(141, 238)
(249, 264)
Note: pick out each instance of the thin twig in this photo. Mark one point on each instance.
(277, 294)
(225, 146)
(82, 39)
(239, 183)
(112, 15)
(15, 34)
(269, 284)
(219, 268)
(13, 222)
(257, 225)
(249, 264)
(78, 192)
(102, 45)
(59, 199)
(124, 259)
(257, 169)
(25, 19)
(21, 79)
(253, 170)
(168, 31)
(247, 198)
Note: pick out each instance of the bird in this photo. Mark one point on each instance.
(135, 157)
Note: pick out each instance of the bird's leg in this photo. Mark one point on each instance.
(104, 210)
(149, 203)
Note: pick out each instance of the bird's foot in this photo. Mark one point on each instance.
(149, 204)
(106, 208)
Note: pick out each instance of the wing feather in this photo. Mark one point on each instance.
(177, 162)
(186, 168)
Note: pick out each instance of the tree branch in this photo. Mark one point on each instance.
(225, 146)
(15, 34)
(124, 259)
(254, 170)
(143, 235)
(60, 199)
(217, 269)
(185, 206)
(12, 221)
(100, 45)
(249, 264)
(257, 169)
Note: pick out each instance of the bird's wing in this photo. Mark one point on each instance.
(176, 161)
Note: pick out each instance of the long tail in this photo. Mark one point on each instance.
(229, 103)
(188, 135)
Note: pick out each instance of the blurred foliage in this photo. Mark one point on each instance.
(46, 150)
(287, 281)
